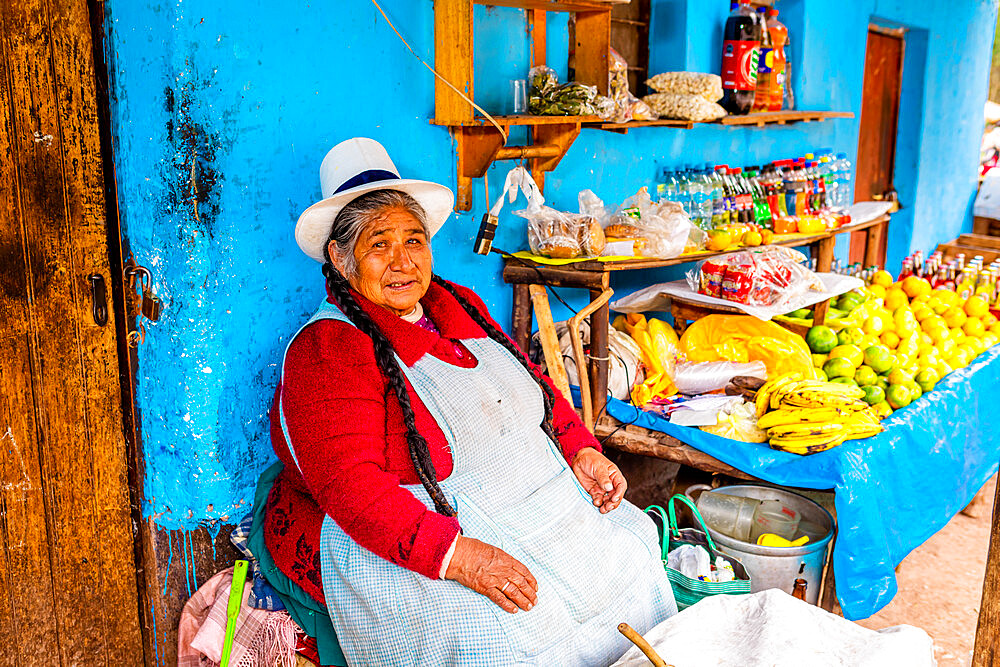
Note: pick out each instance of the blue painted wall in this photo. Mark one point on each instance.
(222, 111)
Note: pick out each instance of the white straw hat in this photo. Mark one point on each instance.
(351, 169)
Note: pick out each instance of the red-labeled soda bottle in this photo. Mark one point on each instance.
(740, 53)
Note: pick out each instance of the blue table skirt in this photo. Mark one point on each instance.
(894, 490)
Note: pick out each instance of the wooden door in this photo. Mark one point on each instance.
(877, 135)
(67, 570)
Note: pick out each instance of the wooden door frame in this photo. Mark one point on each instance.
(859, 241)
(68, 591)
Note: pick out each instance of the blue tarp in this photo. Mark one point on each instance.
(894, 490)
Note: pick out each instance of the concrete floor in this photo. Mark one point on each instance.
(941, 584)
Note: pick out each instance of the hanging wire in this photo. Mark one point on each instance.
(444, 80)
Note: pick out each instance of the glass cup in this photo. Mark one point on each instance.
(519, 96)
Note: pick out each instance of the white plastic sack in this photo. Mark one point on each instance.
(773, 629)
(623, 367)
(988, 200)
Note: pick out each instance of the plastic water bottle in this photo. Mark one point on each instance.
(701, 199)
(719, 217)
(844, 175)
(684, 189)
(667, 189)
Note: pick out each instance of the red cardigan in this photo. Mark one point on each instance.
(350, 441)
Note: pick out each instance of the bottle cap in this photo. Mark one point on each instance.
(772, 12)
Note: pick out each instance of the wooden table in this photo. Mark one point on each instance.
(595, 276)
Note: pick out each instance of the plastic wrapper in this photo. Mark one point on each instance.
(625, 106)
(767, 277)
(742, 338)
(562, 235)
(694, 378)
(706, 86)
(650, 229)
(684, 107)
(547, 97)
(740, 423)
(659, 347)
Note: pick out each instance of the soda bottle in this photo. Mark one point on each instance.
(765, 72)
(728, 203)
(740, 54)
(742, 197)
(778, 34)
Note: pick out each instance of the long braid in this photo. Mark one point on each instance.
(548, 396)
(386, 359)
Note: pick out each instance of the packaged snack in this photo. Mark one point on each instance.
(708, 86)
(651, 229)
(562, 235)
(684, 107)
(625, 106)
(764, 276)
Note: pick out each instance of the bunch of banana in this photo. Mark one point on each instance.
(770, 388)
(809, 416)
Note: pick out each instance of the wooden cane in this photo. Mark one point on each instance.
(643, 645)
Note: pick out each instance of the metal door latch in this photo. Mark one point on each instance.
(98, 299)
(149, 304)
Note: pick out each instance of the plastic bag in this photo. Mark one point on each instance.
(625, 106)
(740, 423)
(562, 235)
(660, 349)
(624, 366)
(655, 229)
(767, 277)
(707, 86)
(684, 107)
(694, 378)
(742, 338)
(546, 97)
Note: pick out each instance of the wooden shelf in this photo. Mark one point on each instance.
(556, 5)
(789, 241)
(754, 119)
(763, 118)
(520, 119)
(623, 128)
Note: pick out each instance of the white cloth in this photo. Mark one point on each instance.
(512, 488)
(773, 629)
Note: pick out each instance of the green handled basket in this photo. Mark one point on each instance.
(687, 590)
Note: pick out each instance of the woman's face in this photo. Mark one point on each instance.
(394, 261)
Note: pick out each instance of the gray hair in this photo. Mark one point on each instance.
(357, 214)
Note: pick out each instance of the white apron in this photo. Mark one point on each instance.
(513, 489)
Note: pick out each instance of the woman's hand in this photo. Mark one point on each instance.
(494, 573)
(600, 478)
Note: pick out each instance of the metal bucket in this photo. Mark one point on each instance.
(778, 567)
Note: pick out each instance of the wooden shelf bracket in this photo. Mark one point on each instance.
(477, 143)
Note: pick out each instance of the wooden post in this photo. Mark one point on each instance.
(453, 59)
(824, 253)
(599, 353)
(593, 41)
(987, 651)
(520, 328)
(536, 28)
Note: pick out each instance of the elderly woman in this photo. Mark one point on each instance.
(448, 506)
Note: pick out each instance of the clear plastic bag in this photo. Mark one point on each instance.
(546, 97)
(701, 378)
(684, 107)
(765, 277)
(625, 106)
(707, 86)
(656, 229)
(562, 235)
